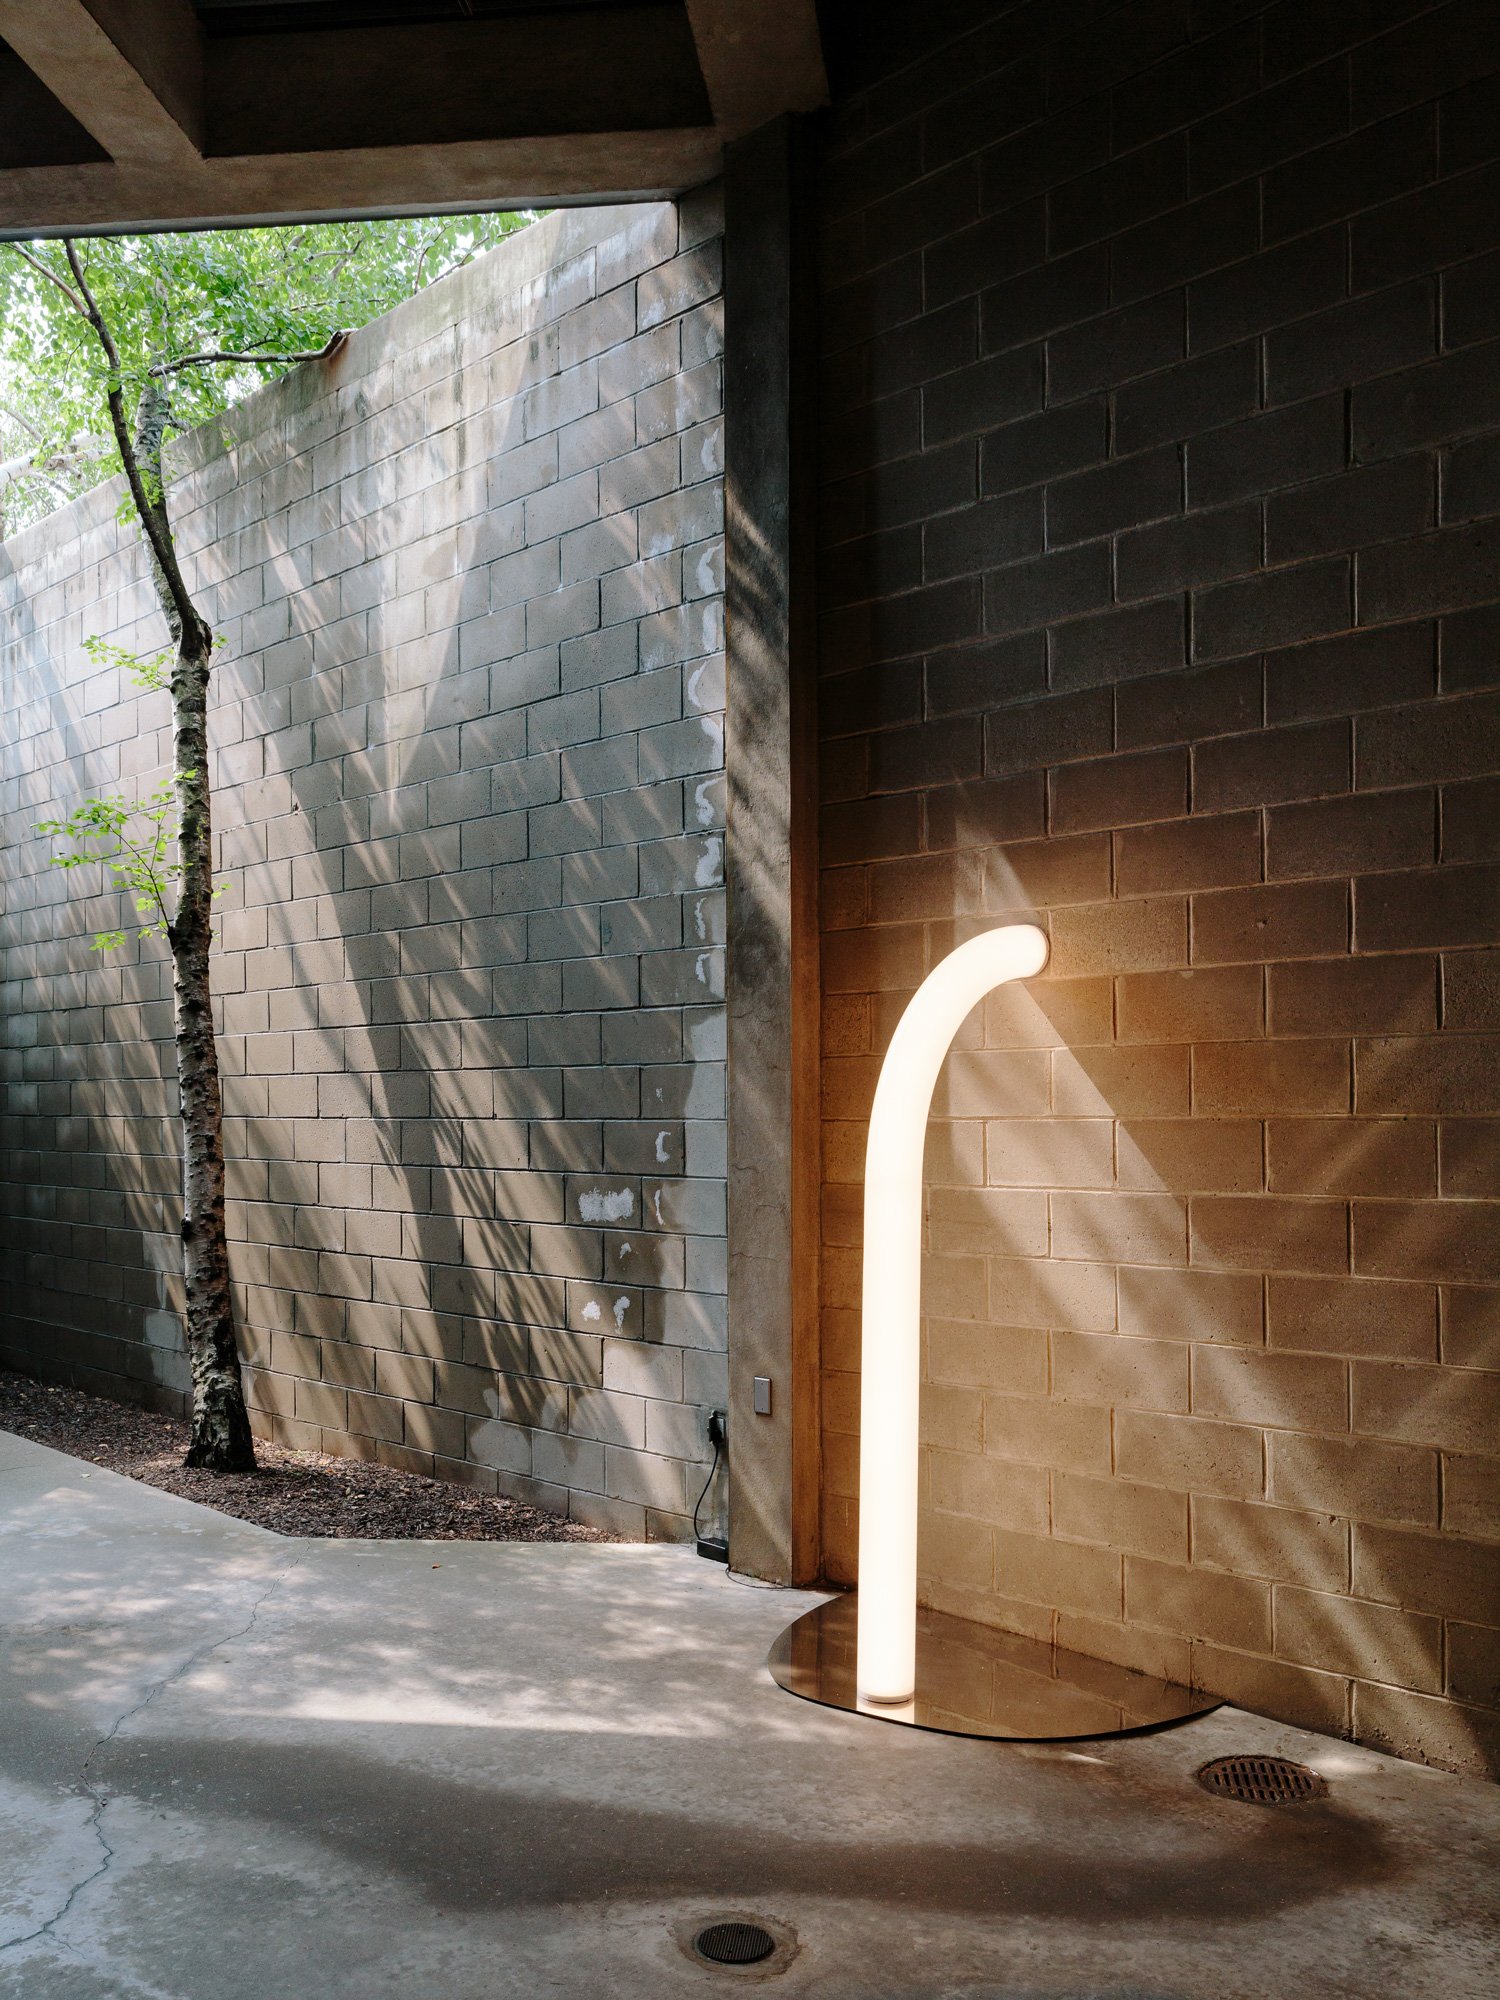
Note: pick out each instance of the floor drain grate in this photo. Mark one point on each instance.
(734, 1944)
(1261, 1781)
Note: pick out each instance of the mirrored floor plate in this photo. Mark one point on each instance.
(975, 1681)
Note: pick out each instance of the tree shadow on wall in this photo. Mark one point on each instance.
(426, 1012)
(91, 1244)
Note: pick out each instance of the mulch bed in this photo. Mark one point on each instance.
(293, 1492)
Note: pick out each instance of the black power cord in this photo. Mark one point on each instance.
(711, 1546)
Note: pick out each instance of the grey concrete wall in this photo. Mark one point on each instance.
(469, 750)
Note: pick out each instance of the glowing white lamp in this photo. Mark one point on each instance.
(891, 1341)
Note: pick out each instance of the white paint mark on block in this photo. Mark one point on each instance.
(601, 1205)
(710, 870)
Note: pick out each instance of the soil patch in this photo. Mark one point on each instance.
(293, 1492)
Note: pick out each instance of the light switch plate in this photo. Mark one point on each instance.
(762, 1387)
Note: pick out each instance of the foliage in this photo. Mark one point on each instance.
(149, 671)
(134, 841)
(176, 301)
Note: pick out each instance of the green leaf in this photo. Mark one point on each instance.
(149, 671)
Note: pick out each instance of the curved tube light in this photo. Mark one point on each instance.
(891, 1338)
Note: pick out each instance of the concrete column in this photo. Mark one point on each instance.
(773, 970)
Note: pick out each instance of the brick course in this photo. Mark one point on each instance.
(1160, 556)
(470, 805)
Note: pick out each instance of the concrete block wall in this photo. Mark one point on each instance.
(469, 753)
(1161, 557)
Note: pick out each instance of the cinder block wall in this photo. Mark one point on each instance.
(469, 747)
(1160, 558)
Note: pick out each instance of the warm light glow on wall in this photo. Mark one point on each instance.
(891, 1339)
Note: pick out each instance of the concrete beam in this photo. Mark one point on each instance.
(448, 115)
(130, 71)
(759, 58)
(393, 180)
(448, 82)
(771, 859)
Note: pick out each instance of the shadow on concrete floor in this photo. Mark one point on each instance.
(233, 1764)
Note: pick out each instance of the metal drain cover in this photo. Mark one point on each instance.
(1262, 1781)
(734, 1944)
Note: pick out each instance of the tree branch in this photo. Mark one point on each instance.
(16, 418)
(147, 865)
(216, 356)
(51, 276)
(152, 512)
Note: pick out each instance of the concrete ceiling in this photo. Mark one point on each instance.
(120, 114)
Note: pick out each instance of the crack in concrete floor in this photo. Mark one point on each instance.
(101, 1800)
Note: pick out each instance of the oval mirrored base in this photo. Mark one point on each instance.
(973, 1680)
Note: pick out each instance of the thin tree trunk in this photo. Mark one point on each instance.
(221, 1440)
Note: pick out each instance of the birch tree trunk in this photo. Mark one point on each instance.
(221, 1439)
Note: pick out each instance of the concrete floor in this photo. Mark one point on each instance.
(234, 1765)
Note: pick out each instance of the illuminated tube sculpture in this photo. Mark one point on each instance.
(891, 1350)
